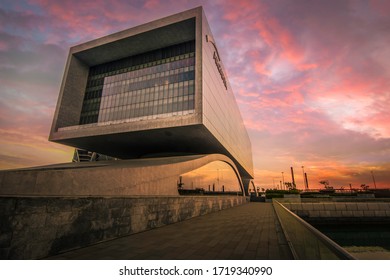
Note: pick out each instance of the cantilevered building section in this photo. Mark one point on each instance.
(155, 90)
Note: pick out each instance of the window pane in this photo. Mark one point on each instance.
(136, 80)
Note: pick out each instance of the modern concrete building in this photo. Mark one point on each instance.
(158, 89)
(155, 96)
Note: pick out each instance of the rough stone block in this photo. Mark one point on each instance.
(5, 239)
(294, 206)
(163, 207)
(6, 223)
(43, 234)
(7, 206)
(362, 206)
(318, 206)
(326, 213)
(117, 212)
(4, 252)
(351, 206)
(22, 222)
(37, 220)
(369, 213)
(373, 206)
(39, 249)
(59, 205)
(124, 221)
(315, 213)
(340, 206)
(111, 233)
(86, 216)
(358, 213)
(126, 212)
(19, 252)
(80, 225)
(92, 237)
(380, 213)
(347, 213)
(329, 206)
(299, 206)
(307, 206)
(151, 224)
(97, 225)
(31, 205)
(337, 213)
(60, 218)
(128, 202)
(81, 204)
(384, 206)
(141, 201)
(99, 204)
(115, 203)
(138, 227)
(63, 230)
(124, 231)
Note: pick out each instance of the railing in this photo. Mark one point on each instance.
(306, 242)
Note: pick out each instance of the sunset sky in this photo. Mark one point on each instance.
(312, 79)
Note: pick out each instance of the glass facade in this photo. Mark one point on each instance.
(156, 84)
(217, 176)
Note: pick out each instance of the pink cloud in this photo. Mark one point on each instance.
(380, 7)
(151, 4)
(312, 80)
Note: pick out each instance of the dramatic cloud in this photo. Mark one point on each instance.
(312, 79)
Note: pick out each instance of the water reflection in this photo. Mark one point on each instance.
(215, 177)
(363, 240)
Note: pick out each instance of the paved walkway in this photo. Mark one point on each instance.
(249, 231)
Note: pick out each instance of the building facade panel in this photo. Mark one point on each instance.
(220, 111)
(71, 94)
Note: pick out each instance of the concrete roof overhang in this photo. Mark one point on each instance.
(189, 139)
(134, 41)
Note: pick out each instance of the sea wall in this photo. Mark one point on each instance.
(344, 212)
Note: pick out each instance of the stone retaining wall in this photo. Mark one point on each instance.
(37, 227)
(341, 211)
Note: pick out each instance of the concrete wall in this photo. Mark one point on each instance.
(351, 212)
(151, 176)
(37, 227)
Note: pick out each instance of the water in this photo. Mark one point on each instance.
(368, 252)
(363, 241)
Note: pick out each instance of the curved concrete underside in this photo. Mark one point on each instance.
(149, 176)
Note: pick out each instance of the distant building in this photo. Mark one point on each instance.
(158, 90)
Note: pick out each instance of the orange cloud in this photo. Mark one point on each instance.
(312, 81)
(338, 175)
(21, 149)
